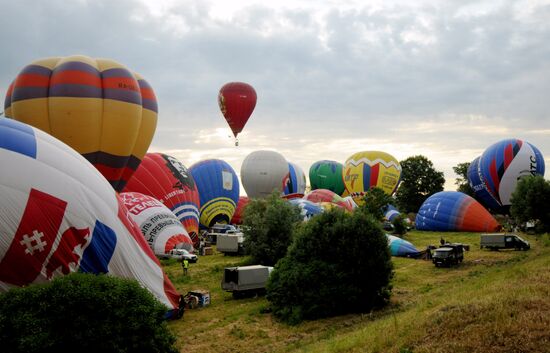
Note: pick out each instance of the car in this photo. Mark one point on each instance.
(180, 255)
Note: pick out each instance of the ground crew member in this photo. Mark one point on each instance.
(185, 265)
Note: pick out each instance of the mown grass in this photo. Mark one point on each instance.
(493, 302)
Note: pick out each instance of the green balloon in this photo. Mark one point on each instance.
(327, 175)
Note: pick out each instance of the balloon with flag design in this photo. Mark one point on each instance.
(454, 211)
(166, 179)
(58, 215)
(160, 227)
(97, 106)
(367, 169)
(308, 209)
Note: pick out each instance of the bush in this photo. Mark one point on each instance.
(399, 226)
(269, 227)
(86, 313)
(531, 202)
(338, 263)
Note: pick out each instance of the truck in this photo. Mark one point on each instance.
(230, 243)
(448, 254)
(180, 255)
(496, 241)
(245, 281)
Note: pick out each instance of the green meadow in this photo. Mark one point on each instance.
(495, 301)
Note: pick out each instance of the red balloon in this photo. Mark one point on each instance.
(166, 179)
(237, 101)
(238, 215)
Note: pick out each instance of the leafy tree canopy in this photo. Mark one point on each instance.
(461, 169)
(419, 180)
(531, 202)
(338, 263)
(269, 228)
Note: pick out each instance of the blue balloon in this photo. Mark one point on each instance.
(454, 211)
(401, 247)
(296, 182)
(478, 185)
(218, 187)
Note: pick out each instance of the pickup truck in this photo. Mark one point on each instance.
(497, 241)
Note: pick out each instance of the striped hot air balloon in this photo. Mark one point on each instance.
(99, 107)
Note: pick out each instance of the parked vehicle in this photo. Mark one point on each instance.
(217, 229)
(231, 243)
(496, 241)
(180, 255)
(448, 255)
(246, 280)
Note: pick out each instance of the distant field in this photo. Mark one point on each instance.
(493, 302)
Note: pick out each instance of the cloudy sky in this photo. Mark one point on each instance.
(444, 79)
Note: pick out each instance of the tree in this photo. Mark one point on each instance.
(269, 226)
(461, 169)
(338, 263)
(531, 202)
(84, 312)
(376, 201)
(419, 180)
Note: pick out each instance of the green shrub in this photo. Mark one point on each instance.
(338, 263)
(269, 227)
(83, 313)
(399, 226)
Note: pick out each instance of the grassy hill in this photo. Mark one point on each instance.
(493, 302)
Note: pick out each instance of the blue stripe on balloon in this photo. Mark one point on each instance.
(17, 137)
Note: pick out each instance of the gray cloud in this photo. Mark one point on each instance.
(446, 80)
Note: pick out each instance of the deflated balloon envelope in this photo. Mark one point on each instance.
(454, 211)
(166, 179)
(324, 195)
(97, 106)
(59, 215)
(161, 228)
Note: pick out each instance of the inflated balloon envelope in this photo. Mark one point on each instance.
(58, 215)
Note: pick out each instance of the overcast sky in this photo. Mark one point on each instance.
(444, 79)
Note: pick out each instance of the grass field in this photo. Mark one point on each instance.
(495, 301)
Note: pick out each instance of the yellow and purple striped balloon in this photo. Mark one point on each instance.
(97, 106)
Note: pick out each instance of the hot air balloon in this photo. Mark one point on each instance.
(262, 172)
(391, 213)
(454, 211)
(239, 211)
(166, 179)
(327, 174)
(59, 215)
(364, 170)
(500, 167)
(237, 101)
(161, 228)
(97, 106)
(402, 248)
(324, 195)
(218, 188)
(308, 209)
(296, 180)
